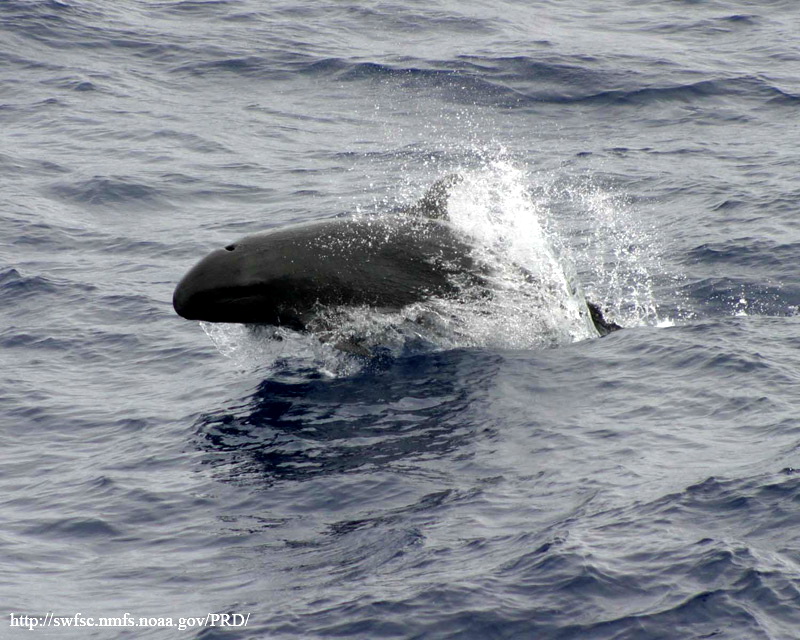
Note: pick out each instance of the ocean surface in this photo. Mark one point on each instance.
(506, 475)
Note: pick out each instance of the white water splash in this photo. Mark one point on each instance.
(276, 350)
(599, 232)
(535, 300)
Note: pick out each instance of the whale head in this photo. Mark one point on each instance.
(238, 283)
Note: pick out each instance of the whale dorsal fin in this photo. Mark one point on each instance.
(433, 204)
(603, 325)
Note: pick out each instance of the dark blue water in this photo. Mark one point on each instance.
(499, 479)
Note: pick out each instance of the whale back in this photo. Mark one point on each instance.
(433, 205)
(284, 276)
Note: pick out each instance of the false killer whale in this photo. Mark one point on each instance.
(283, 277)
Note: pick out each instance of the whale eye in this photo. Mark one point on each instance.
(230, 247)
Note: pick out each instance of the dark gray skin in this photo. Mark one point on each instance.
(284, 276)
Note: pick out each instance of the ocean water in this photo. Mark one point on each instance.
(504, 475)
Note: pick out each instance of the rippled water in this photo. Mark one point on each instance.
(500, 476)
